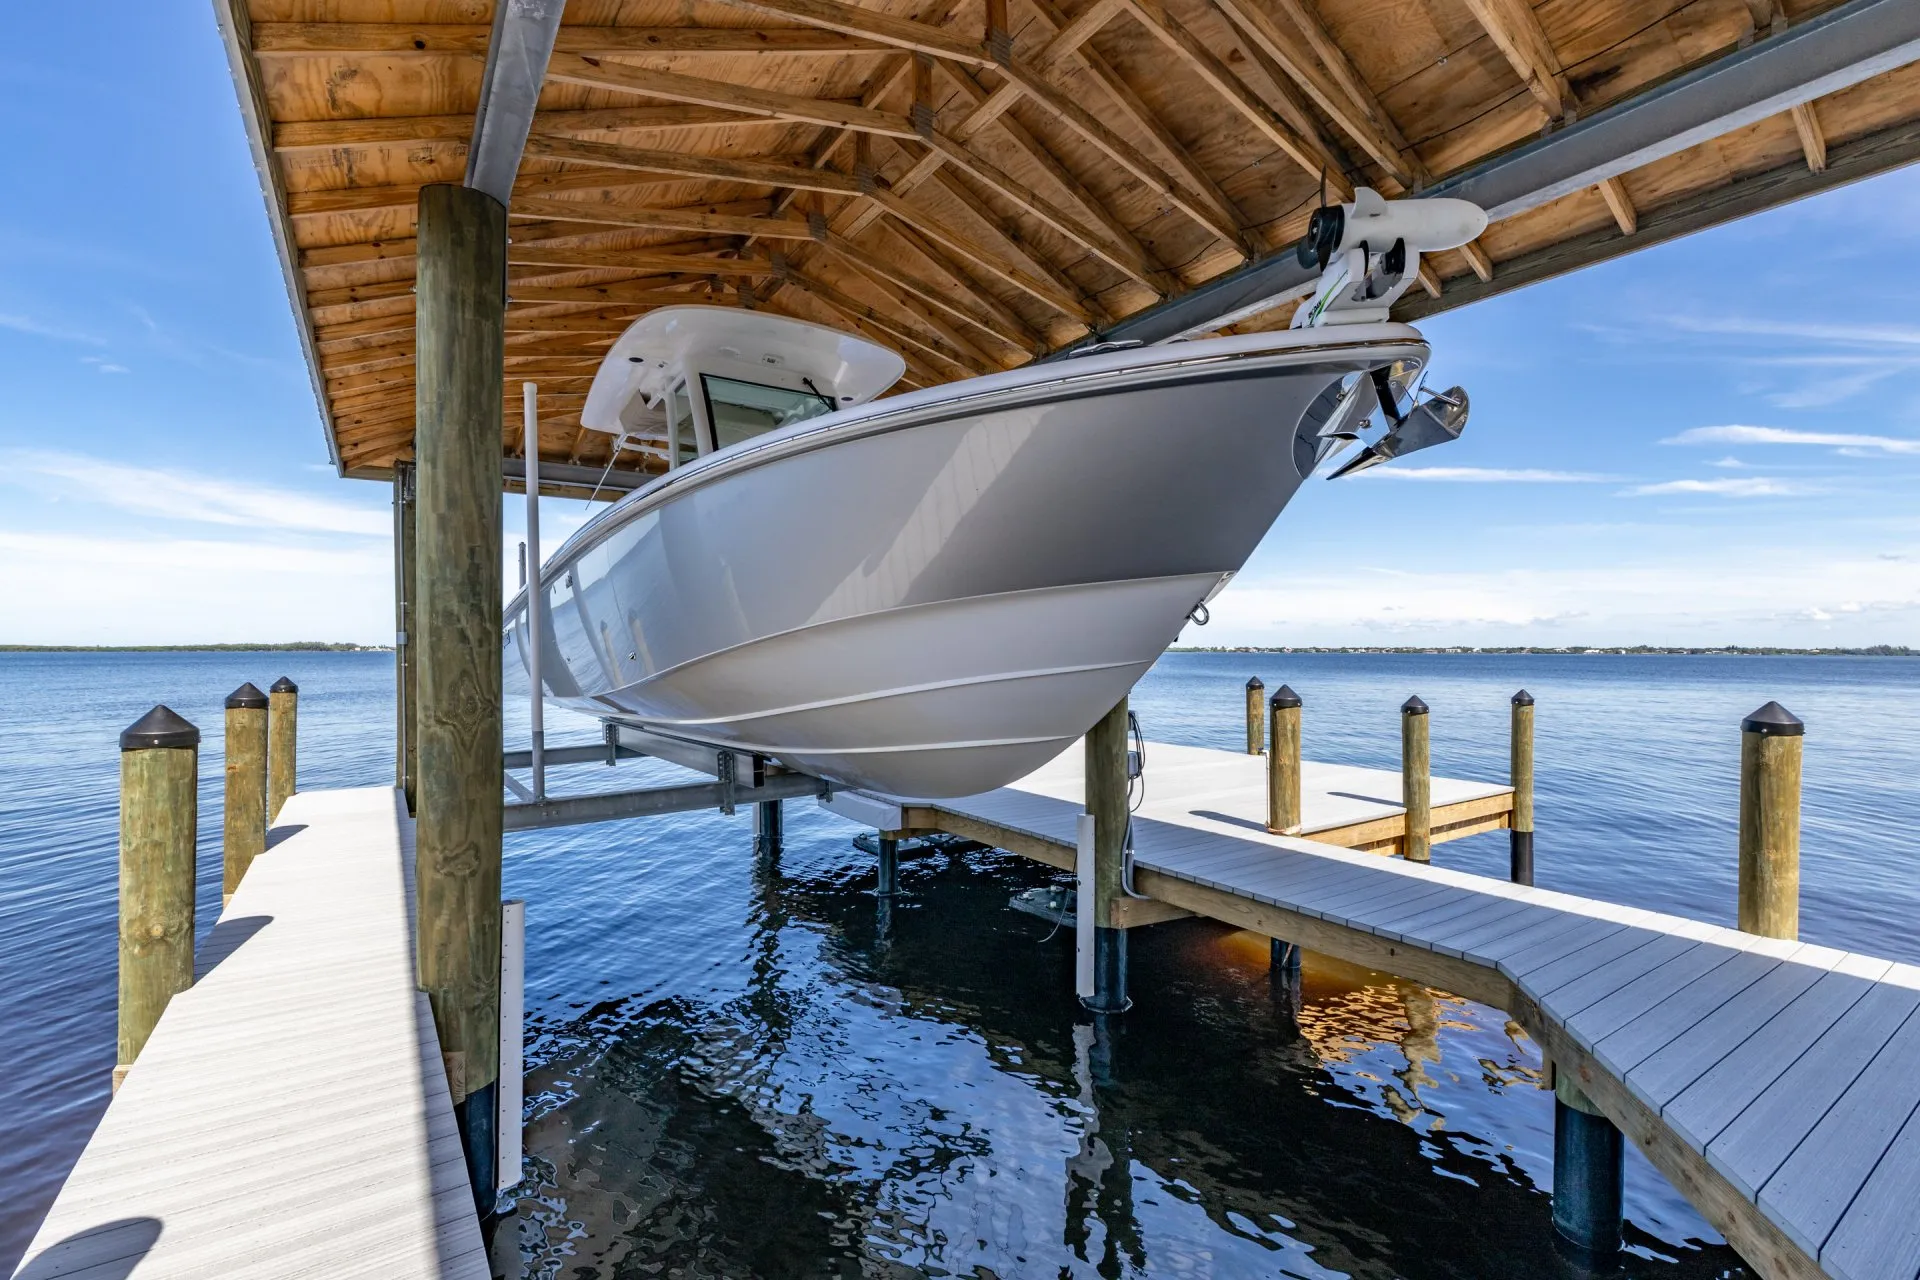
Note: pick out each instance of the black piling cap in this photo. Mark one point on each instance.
(284, 685)
(160, 727)
(1255, 683)
(1284, 696)
(1413, 707)
(1774, 721)
(1523, 699)
(247, 697)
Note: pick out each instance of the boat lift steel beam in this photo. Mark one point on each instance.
(1850, 43)
(723, 795)
(566, 475)
(517, 55)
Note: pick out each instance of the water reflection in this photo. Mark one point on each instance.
(906, 1086)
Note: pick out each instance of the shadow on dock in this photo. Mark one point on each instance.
(111, 1251)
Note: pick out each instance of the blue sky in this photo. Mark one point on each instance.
(1715, 441)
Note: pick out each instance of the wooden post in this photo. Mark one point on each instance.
(1106, 784)
(1283, 761)
(1520, 773)
(159, 817)
(1771, 741)
(459, 330)
(1256, 716)
(406, 740)
(1416, 782)
(284, 725)
(244, 835)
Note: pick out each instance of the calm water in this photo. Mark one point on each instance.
(741, 1070)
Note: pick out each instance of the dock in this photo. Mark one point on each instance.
(289, 1115)
(1770, 1080)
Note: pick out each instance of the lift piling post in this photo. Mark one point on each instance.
(244, 819)
(283, 726)
(1283, 761)
(159, 815)
(1772, 740)
(1520, 757)
(1589, 1172)
(406, 741)
(1106, 783)
(1256, 713)
(1416, 781)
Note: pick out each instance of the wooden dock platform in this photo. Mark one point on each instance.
(289, 1116)
(1771, 1081)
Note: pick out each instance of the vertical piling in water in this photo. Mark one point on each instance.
(887, 879)
(244, 825)
(1106, 784)
(1256, 716)
(283, 721)
(159, 797)
(405, 707)
(1416, 781)
(1771, 744)
(769, 829)
(1589, 1171)
(1520, 773)
(1283, 760)
(459, 329)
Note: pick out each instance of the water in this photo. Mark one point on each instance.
(740, 1070)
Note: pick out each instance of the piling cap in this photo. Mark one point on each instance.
(1523, 699)
(1413, 707)
(284, 685)
(247, 697)
(1284, 696)
(1255, 683)
(1774, 721)
(160, 727)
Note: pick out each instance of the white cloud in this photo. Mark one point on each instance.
(1736, 434)
(1484, 475)
(1895, 336)
(178, 495)
(41, 329)
(1725, 487)
(102, 364)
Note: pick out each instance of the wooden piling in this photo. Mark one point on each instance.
(1520, 774)
(1106, 785)
(459, 329)
(159, 815)
(406, 738)
(244, 830)
(1283, 760)
(283, 721)
(1416, 781)
(1771, 743)
(1256, 716)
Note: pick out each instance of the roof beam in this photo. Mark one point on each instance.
(613, 214)
(1517, 33)
(1620, 205)
(1847, 44)
(463, 38)
(517, 54)
(1813, 139)
(367, 131)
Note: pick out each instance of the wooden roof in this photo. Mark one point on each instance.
(971, 182)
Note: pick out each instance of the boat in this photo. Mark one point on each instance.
(931, 594)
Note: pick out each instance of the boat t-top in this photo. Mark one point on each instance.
(933, 593)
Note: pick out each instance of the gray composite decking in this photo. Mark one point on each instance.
(1792, 1070)
(289, 1116)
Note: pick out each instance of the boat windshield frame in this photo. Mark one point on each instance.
(816, 404)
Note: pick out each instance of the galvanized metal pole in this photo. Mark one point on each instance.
(1283, 760)
(244, 820)
(405, 685)
(460, 321)
(283, 721)
(536, 598)
(1771, 744)
(1416, 782)
(1106, 786)
(1256, 711)
(159, 815)
(1520, 773)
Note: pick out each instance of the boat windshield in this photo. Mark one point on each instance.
(680, 433)
(743, 410)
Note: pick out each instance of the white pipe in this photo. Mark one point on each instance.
(513, 1013)
(536, 601)
(1083, 907)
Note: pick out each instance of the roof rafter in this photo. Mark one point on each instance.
(1516, 31)
(471, 38)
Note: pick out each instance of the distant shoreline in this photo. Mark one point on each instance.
(298, 646)
(1638, 650)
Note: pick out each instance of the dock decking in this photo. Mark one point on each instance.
(289, 1116)
(1773, 1082)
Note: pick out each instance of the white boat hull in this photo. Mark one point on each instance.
(932, 595)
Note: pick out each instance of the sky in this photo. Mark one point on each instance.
(1716, 441)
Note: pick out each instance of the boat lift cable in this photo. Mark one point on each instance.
(1136, 772)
